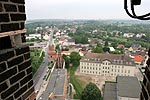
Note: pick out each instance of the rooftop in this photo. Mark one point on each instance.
(128, 87)
(119, 59)
(110, 91)
(56, 84)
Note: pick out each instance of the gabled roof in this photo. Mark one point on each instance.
(119, 59)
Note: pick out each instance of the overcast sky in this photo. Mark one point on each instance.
(80, 9)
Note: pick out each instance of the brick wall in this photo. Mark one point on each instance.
(12, 15)
(15, 64)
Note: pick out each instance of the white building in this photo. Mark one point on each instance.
(107, 65)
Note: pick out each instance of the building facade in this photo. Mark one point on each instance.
(145, 94)
(107, 65)
(15, 64)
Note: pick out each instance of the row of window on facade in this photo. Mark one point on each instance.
(104, 67)
(104, 73)
(92, 64)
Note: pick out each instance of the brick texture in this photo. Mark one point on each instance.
(24, 65)
(22, 50)
(10, 8)
(5, 56)
(17, 77)
(15, 65)
(18, 17)
(21, 8)
(10, 91)
(20, 91)
(28, 93)
(10, 98)
(3, 42)
(26, 56)
(9, 27)
(15, 61)
(7, 74)
(4, 18)
(1, 9)
(3, 87)
(2, 67)
(18, 1)
(26, 79)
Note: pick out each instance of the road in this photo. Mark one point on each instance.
(40, 73)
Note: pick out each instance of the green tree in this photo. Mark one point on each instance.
(67, 60)
(106, 49)
(75, 58)
(91, 92)
(98, 49)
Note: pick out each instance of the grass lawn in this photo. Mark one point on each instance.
(35, 60)
(78, 84)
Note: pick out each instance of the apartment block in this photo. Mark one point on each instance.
(107, 65)
(15, 64)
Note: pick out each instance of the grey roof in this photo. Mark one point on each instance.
(55, 84)
(119, 59)
(128, 87)
(110, 91)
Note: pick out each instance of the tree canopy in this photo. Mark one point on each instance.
(98, 49)
(75, 58)
(67, 60)
(91, 92)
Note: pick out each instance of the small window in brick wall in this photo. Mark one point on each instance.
(5, 43)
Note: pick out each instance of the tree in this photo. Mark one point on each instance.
(67, 60)
(98, 49)
(106, 44)
(75, 58)
(91, 92)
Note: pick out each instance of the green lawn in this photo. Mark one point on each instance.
(78, 86)
(36, 60)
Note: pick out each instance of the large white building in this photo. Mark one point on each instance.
(107, 65)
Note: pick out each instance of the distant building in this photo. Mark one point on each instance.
(111, 49)
(125, 88)
(128, 35)
(120, 46)
(135, 47)
(66, 41)
(34, 36)
(138, 56)
(107, 65)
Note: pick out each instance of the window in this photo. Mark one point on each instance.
(125, 71)
(128, 71)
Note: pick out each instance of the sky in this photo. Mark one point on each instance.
(80, 9)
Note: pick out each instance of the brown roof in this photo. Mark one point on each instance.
(119, 59)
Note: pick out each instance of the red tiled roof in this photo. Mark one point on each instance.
(138, 58)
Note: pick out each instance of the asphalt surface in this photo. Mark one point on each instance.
(38, 76)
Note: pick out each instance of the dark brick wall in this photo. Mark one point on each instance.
(12, 15)
(15, 74)
(15, 65)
